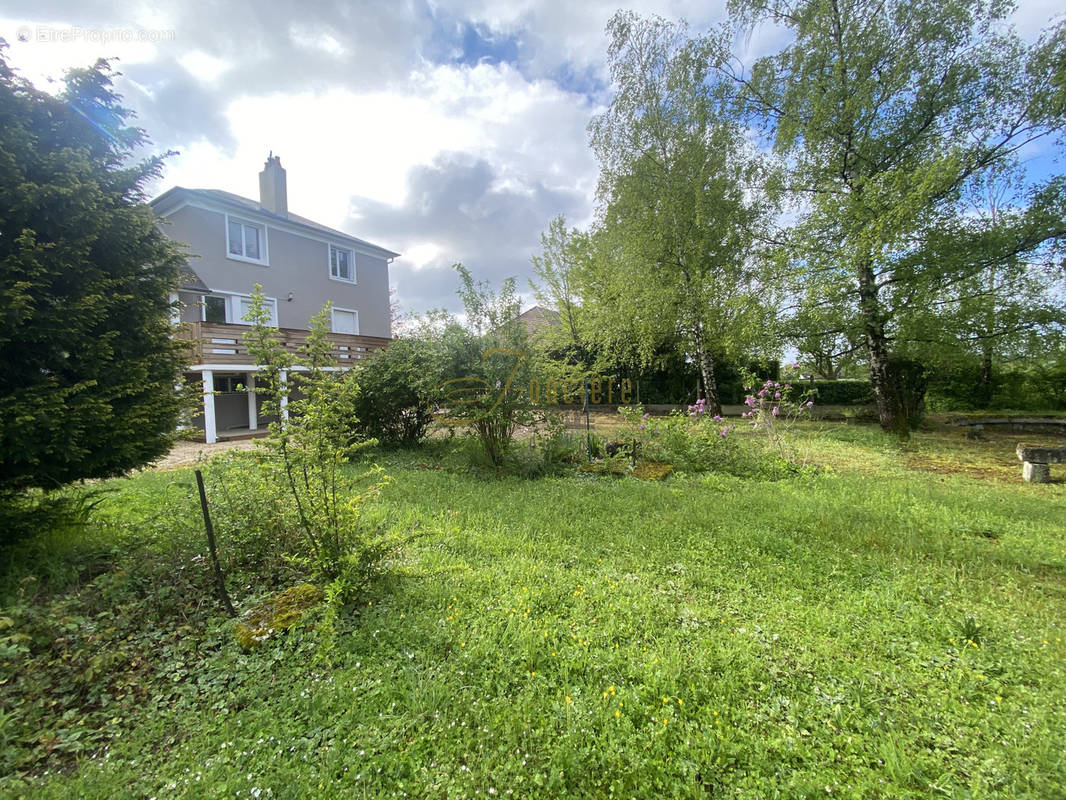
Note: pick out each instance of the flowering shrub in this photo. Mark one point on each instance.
(690, 440)
(775, 406)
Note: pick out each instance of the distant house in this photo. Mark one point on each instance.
(537, 318)
(235, 243)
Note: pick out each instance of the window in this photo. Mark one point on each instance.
(345, 320)
(214, 309)
(233, 308)
(245, 241)
(341, 264)
(227, 383)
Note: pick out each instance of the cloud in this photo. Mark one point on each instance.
(459, 209)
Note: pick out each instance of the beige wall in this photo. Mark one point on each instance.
(297, 264)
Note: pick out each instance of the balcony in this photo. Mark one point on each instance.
(218, 344)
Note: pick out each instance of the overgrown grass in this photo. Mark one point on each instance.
(875, 630)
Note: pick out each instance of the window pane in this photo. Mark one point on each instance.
(214, 309)
(340, 263)
(345, 322)
(251, 241)
(235, 238)
(244, 306)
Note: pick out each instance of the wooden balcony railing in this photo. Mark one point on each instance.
(223, 344)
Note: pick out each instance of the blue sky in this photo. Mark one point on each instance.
(448, 131)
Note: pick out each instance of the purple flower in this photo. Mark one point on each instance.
(762, 393)
(725, 432)
(776, 411)
(777, 395)
(717, 417)
(646, 415)
(642, 427)
(810, 404)
(749, 400)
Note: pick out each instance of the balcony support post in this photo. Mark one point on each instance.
(253, 416)
(283, 377)
(210, 432)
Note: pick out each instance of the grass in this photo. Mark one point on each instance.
(889, 627)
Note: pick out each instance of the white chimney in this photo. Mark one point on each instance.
(273, 193)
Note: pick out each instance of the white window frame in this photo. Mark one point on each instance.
(233, 307)
(351, 262)
(264, 249)
(332, 323)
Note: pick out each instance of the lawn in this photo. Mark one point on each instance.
(888, 625)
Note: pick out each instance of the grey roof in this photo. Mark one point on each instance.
(235, 200)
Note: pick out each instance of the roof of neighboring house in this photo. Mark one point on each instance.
(180, 193)
(537, 317)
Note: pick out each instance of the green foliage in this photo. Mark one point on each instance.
(309, 450)
(398, 389)
(684, 638)
(907, 380)
(90, 364)
(840, 393)
(684, 202)
(488, 368)
(889, 117)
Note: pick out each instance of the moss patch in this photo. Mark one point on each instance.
(652, 471)
(279, 613)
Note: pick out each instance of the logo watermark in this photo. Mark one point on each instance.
(467, 400)
(71, 34)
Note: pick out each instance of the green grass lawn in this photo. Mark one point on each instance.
(889, 627)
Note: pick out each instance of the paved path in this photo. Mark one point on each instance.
(185, 454)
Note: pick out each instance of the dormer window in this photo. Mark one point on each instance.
(341, 264)
(245, 241)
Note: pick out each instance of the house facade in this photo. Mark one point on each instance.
(235, 243)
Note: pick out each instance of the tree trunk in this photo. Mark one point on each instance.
(986, 377)
(888, 412)
(706, 366)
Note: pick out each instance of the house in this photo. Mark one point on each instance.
(536, 319)
(235, 243)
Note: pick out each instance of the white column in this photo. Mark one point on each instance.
(253, 417)
(283, 376)
(210, 433)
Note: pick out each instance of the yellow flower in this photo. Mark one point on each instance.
(462, 644)
(680, 702)
(617, 714)
(980, 676)
(569, 700)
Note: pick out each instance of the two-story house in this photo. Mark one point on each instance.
(235, 243)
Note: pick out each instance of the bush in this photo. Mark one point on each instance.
(397, 389)
(839, 393)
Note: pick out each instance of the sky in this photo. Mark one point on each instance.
(446, 131)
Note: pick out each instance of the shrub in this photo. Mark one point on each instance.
(839, 393)
(306, 455)
(397, 390)
(694, 440)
